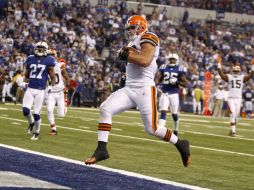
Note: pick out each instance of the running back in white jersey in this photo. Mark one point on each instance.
(235, 85)
(59, 85)
(142, 76)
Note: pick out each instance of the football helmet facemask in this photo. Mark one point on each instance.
(41, 49)
(135, 26)
(172, 59)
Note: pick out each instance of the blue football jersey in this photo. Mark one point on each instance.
(38, 70)
(171, 72)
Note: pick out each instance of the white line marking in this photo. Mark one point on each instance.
(16, 180)
(123, 172)
(14, 123)
(83, 127)
(150, 140)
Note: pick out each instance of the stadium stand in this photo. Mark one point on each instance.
(88, 37)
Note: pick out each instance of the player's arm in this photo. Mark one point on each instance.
(183, 81)
(52, 76)
(222, 75)
(158, 77)
(66, 77)
(144, 57)
(250, 75)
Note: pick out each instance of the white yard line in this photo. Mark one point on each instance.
(150, 140)
(123, 172)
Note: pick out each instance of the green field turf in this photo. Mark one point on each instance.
(219, 161)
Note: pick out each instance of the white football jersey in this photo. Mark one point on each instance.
(235, 85)
(142, 76)
(59, 85)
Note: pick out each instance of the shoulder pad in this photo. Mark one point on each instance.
(149, 37)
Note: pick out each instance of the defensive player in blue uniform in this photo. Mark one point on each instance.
(171, 75)
(248, 97)
(38, 67)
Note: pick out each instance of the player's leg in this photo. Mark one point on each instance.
(27, 103)
(194, 106)
(146, 101)
(117, 102)
(174, 106)
(51, 99)
(199, 107)
(248, 108)
(38, 101)
(163, 108)
(232, 109)
(9, 86)
(4, 92)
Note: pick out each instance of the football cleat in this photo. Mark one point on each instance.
(232, 134)
(30, 128)
(35, 136)
(99, 154)
(53, 132)
(184, 149)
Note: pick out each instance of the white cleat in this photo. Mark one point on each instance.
(35, 136)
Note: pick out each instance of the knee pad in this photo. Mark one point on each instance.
(175, 117)
(105, 115)
(37, 117)
(26, 111)
(163, 115)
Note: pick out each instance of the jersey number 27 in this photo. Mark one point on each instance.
(36, 71)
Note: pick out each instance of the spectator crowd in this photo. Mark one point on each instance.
(88, 37)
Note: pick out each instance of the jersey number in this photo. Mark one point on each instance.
(36, 71)
(236, 84)
(167, 76)
(57, 79)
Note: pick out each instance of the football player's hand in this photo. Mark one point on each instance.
(49, 89)
(173, 81)
(123, 53)
(123, 80)
(219, 60)
(24, 85)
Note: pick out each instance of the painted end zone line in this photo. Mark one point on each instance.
(132, 174)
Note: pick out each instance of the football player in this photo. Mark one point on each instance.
(235, 86)
(171, 75)
(57, 93)
(38, 67)
(248, 97)
(140, 54)
(7, 87)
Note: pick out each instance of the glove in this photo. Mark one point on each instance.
(123, 53)
(123, 80)
(24, 85)
(173, 81)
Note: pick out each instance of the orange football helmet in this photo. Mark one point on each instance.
(136, 25)
(52, 52)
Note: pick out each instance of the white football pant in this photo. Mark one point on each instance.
(234, 105)
(33, 96)
(169, 100)
(53, 99)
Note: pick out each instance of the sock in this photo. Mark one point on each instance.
(103, 136)
(37, 125)
(232, 128)
(30, 118)
(173, 139)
